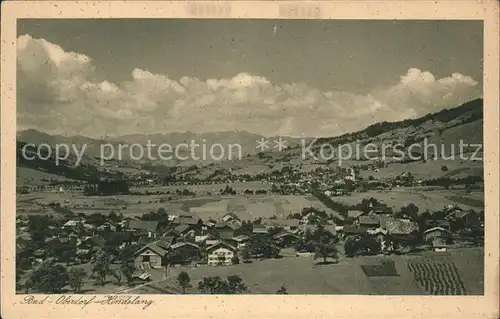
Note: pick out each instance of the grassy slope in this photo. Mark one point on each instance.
(300, 275)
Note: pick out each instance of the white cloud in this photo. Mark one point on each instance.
(58, 93)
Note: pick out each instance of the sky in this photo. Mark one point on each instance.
(111, 77)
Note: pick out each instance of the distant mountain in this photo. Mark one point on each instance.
(466, 113)
(228, 140)
(447, 127)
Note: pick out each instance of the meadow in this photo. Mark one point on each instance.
(246, 207)
(432, 200)
(301, 275)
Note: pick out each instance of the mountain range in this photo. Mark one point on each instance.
(448, 126)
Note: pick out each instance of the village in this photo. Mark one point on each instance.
(140, 249)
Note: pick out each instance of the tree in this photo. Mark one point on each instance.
(324, 249)
(96, 219)
(38, 227)
(215, 285)
(102, 266)
(75, 277)
(368, 246)
(183, 280)
(282, 291)
(245, 254)
(211, 285)
(236, 285)
(413, 240)
(127, 253)
(117, 275)
(113, 217)
(350, 247)
(68, 255)
(49, 277)
(28, 284)
(127, 268)
(410, 211)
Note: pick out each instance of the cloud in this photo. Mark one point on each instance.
(58, 92)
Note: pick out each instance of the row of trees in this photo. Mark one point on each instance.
(319, 241)
(233, 284)
(106, 187)
(50, 277)
(214, 285)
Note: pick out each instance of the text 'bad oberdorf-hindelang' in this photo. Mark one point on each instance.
(84, 301)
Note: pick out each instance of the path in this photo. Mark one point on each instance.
(143, 285)
(140, 286)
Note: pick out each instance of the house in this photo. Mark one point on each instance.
(368, 221)
(72, 223)
(285, 239)
(443, 223)
(382, 210)
(457, 214)
(152, 255)
(355, 230)
(400, 227)
(338, 218)
(354, 214)
(381, 236)
(259, 229)
(221, 253)
(91, 242)
(225, 230)
(438, 244)
(202, 239)
(307, 217)
(287, 224)
(53, 244)
(116, 239)
(40, 255)
(165, 242)
(149, 226)
(435, 232)
(210, 223)
(187, 219)
(183, 253)
(230, 216)
(241, 241)
(312, 228)
(125, 221)
(181, 229)
(107, 226)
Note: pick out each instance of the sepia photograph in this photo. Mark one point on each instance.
(168, 156)
(249, 156)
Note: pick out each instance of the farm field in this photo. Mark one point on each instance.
(246, 207)
(205, 189)
(302, 275)
(32, 177)
(431, 200)
(429, 170)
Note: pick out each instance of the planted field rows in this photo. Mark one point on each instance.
(438, 278)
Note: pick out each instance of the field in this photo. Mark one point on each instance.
(432, 200)
(438, 278)
(206, 189)
(429, 170)
(246, 207)
(32, 177)
(301, 275)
